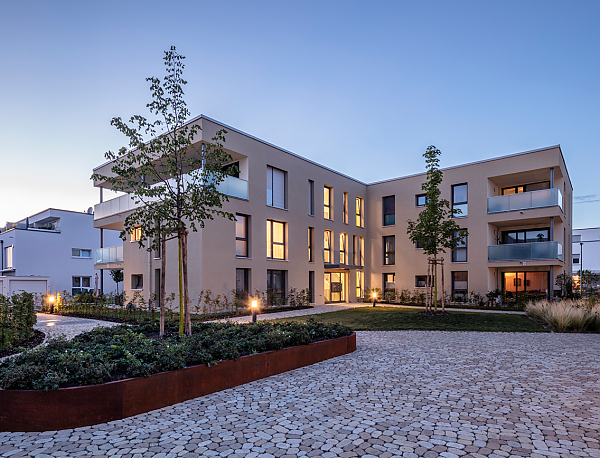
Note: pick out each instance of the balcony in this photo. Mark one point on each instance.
(108, 255)
(525, 251)
(525, 200)
(231, 186)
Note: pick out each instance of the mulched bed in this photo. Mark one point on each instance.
(37, 339)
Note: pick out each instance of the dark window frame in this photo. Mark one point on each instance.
(389, 217)
(384, 282)
(270, 248)
(389, 257)
(460, 203)
(311, 244)
(417, 197)
(243, 239)
(459, 249)
(329, 204)
(328, 250)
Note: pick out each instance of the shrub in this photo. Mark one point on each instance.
(17, 319)
(566, 315)
(120, 352)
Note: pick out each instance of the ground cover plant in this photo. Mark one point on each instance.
(120, 352)
(569, 315)
(397, 319)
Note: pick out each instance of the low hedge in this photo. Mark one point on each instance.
(121, 352)
(17, 319)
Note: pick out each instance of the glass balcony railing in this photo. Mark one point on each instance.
(525, 200)
(525, 251)
(231, 186)
(108, 255)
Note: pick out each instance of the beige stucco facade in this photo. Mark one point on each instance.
(212, 251)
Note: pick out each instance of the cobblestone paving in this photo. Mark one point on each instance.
(404, 393)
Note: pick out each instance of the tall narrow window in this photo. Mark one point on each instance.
(343, 248)
(275, 187)
(311, 197)
(389, 210)
(361, 251)
(345, 210)
(460, 283)
(389, 250)
(311, 238)
(360, 281)
(8, 263)
(359, 212)
(311, 285)
(459, 254)
(389, 283)
(136, 234)
(276, 285)
(241, 236)
(242, 284)
(328, 236)
(275, 239)
(459, 199)
(327, 199)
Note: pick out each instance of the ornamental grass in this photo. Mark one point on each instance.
(573, 315)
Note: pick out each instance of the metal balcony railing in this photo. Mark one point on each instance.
(525, 251)
(525, 200)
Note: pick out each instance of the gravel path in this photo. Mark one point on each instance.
(402, 393)
(55, 325)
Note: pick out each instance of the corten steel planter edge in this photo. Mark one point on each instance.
(66, 408)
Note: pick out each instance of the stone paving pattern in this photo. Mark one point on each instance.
(402, 393)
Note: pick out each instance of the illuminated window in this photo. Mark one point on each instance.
(136, 234)
(360, 280)
(275, 239)
(389, 283)
(359, 212)
(343, 248)
(328, 236)
(311, 238)
(241, 236)
(359, 250)
(327, 201)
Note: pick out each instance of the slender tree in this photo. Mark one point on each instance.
(435, 229)
(171, 176)
(117, 276)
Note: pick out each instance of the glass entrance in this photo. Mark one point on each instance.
(335, 287)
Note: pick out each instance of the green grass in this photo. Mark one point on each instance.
(398, 319)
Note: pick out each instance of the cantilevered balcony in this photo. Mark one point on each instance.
(108, 255)
(525, 251)
(525, 200)
(231, 186)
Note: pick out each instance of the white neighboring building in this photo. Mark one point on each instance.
(54, 250)
(586, 251)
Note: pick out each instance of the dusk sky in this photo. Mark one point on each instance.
(360, 87)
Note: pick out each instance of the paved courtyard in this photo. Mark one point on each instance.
(405, 393)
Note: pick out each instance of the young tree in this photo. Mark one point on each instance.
(435, 230)
(117, 276)
(171, 177)
(565, 282)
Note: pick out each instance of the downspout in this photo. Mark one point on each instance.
(551, 292)
(101, 246)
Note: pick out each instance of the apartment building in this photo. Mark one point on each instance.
(52, 251)
(586, 251)
(302, 225)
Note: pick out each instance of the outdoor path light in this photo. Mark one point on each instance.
(254, 307)
(374, 299)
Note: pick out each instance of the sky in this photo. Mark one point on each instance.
(360, 87)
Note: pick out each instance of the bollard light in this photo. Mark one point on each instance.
(374, 295)
(254, 306)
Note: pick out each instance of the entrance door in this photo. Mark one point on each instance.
(335, 287)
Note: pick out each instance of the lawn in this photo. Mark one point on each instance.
(398, 319)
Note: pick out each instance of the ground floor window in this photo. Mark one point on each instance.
(242, 284)
(311, 286)
(137, 281)
(389, 283)
(276, 286)
(81, 285)
(460, 284)
(534, 282)
(420, 281)
(335, 286)
(360, 282)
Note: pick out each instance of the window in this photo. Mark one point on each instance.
(576, 238)
(276, 285)
(526, 188)
(327, 199)
(360, 281)
(311, 197)
(275, 239)
(137, 281)
(242, 284)
(136, 234)
(420, 200)
(327, 258)
(232, 169)
(526, 236)
(361, 251)
(77, 253)
(81, 284)
(389, 210)
(389, 283)
(241, 236)
(311, 238)
(311, 285)
(459, 254)
(343, 248)
(389, 250)
(576, 260)
(514, 282)
(359, 212)
(345, 210)
(460, 284)
(419, 245)
(420, 281)
(459, 199)
(8, 251)
(276, 188)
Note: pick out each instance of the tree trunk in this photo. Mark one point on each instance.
(179, 235)
(435, 280)
(163, 289)
(427, 282)
(186, 296)
(443, 298)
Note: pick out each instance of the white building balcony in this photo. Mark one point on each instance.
(525, 200)
(231, 187)
(525, 251)
(109, 255)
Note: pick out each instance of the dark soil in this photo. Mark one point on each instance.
(37, 339)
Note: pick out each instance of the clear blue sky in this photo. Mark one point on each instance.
(362, 87)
